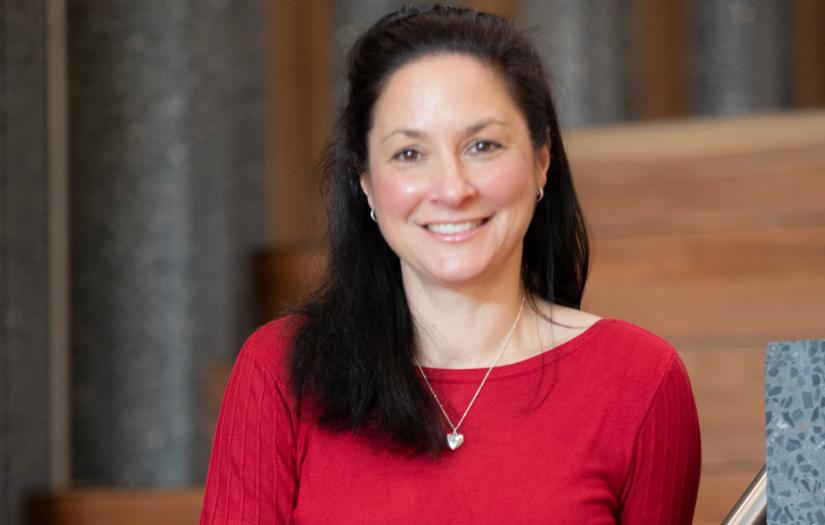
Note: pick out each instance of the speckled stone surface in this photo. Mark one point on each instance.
(742, 59)
(795, 429)
(167, 186)
(586, 47)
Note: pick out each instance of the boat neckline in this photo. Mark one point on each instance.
(519, 367)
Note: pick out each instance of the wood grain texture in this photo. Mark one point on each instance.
(728, 388)
(729, 287)
(505, 8)
(758, 191)
(288, 274)
(300, 116)
(809, 42)
(682, 140)
(98, 506)
(720, 489)
(662, 70)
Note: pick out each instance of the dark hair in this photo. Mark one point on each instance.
(354, 351)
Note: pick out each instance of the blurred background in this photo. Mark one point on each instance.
(157, 203)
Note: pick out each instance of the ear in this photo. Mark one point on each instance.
(542, 164)
(366, 187)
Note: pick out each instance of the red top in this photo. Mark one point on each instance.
(601, 429)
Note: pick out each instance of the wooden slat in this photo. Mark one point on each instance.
(505, 8)
(288, 274)
(750, 286)
(695, 139)
(300, 107)
(809, 81)
(637, 202)
(661, 86)
(702, 176)
(719, 490)
(118, 507)
(728, 388)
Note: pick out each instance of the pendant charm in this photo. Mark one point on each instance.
(454, 440)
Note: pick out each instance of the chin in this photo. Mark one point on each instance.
(455, 275)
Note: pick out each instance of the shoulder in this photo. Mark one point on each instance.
(639, 359)
(621, 340)
(269, 346)
(635, 342)
(616, 351)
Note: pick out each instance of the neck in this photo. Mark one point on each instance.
(464, 328)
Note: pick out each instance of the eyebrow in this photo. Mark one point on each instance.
(469, 130)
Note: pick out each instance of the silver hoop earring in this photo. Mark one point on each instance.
(372, 215)
(540, 195)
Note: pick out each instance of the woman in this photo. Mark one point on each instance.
(444, 372)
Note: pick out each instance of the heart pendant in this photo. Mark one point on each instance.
(454, 440)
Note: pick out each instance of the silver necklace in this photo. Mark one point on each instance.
(454, 439)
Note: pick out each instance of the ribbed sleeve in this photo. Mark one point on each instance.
(251, 472)
(663, 480)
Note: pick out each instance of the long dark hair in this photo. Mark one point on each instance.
(354, 351)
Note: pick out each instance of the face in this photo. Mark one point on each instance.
(452, 173)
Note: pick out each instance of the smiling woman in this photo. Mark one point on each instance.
(444, 371)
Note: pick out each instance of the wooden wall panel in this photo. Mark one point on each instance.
(300, 116)
(117, 507)
(809, 46)
(731, 287)
(505, 8)
(663, 58)
(720, 489)
(728, 388)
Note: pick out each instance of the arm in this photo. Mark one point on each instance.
(251, 472)
(663, 479)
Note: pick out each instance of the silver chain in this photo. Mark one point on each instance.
(489, 370)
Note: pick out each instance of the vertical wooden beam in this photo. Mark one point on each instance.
(662, 82)
(809, 84)
(505, 8)
(300, 114)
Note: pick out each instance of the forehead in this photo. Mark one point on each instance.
(443, 89)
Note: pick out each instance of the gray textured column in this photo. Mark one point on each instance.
(741, 55)
(350, 19)
(587, 48)
(25, 456)
(795, 431)
(167, 166)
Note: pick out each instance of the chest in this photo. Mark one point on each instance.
(525, 464)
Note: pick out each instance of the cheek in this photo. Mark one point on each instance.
(398, 195)
(509, 183)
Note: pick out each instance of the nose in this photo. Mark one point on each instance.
(452, 182)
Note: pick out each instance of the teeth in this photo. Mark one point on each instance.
(454, 227)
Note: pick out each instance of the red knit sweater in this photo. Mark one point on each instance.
(601, 429)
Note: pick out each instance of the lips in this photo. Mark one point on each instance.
(454, 227)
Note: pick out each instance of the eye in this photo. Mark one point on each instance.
(407, 155)
(483, 146)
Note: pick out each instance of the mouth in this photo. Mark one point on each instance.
(455, 228)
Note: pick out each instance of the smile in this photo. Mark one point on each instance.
(451, 228)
